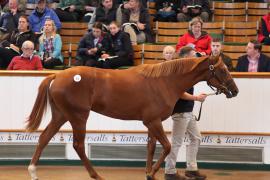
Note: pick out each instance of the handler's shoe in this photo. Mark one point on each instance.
(195, 174)
(177, 177)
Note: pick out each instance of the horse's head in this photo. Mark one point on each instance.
(220, 77)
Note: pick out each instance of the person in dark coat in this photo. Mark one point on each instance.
(9, 20)
(254, 60)
(92, 46)
(121, 52)
(106, 12)
(216, 50)
(166, 10)
(12, 46)
(190, 9)
(136, 22)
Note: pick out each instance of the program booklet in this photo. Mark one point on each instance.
(133, 25)
(110, 57)
(66, 8)
(197, 6)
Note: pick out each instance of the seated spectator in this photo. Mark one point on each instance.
(196, 38)
(168, 53)
(21, 6)
(26, 61)
(40, 14)
(91, 47)
(36, 1)
(254, 60)
(12, 46)
(216, 47)
(50, 46)
(119, 2)
(136, 22)
(90, 10)
(264, 33)
(70, 10)
(121, 52)
(166, 10)
(260, 1)
(3, 3)
(9, 20)
(190, 9)
(106, 12)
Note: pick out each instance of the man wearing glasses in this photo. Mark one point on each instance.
(26, 61)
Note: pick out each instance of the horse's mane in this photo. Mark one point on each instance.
(177, 66)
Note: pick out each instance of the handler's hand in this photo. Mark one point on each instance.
(201, 97)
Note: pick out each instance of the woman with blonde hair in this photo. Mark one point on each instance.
(168, 53)
(50, 45)
(196, 38)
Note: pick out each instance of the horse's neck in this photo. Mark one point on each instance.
(181, 82)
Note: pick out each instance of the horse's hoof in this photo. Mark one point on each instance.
(148, 177)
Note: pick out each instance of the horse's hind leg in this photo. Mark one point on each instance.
(151, 146)
(156, 128)
(57, 121)
(78, 123)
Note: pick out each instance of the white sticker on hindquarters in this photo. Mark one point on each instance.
(77, 78)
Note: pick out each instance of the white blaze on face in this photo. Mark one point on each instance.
(77, 78)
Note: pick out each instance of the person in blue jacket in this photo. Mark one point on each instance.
(50, 46)
(38, 17)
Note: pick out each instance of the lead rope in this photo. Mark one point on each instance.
(200, 111)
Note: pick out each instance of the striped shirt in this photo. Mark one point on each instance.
(253, 64)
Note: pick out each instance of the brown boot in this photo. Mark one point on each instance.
(195, 174)
(176, 177)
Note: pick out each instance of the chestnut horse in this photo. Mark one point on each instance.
(146, 92)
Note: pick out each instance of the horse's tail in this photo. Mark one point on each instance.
(40, 105)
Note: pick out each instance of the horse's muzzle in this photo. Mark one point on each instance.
(230, 89)
(229, 93)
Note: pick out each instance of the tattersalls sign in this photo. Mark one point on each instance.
(136, 138)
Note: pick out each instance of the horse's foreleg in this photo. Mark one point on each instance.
(151, 147)
(79, 130)
(44, 139)
(156, 128)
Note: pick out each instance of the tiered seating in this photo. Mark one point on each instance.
(240, 32)
(71, 33)
(169, 32)
(214, 27)
(152, 11)
(229, 11)
(152, 53)
(266, 50)
(137, 54)
(69, 52)
(224, 15)
(255, 11)
(234, 52)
